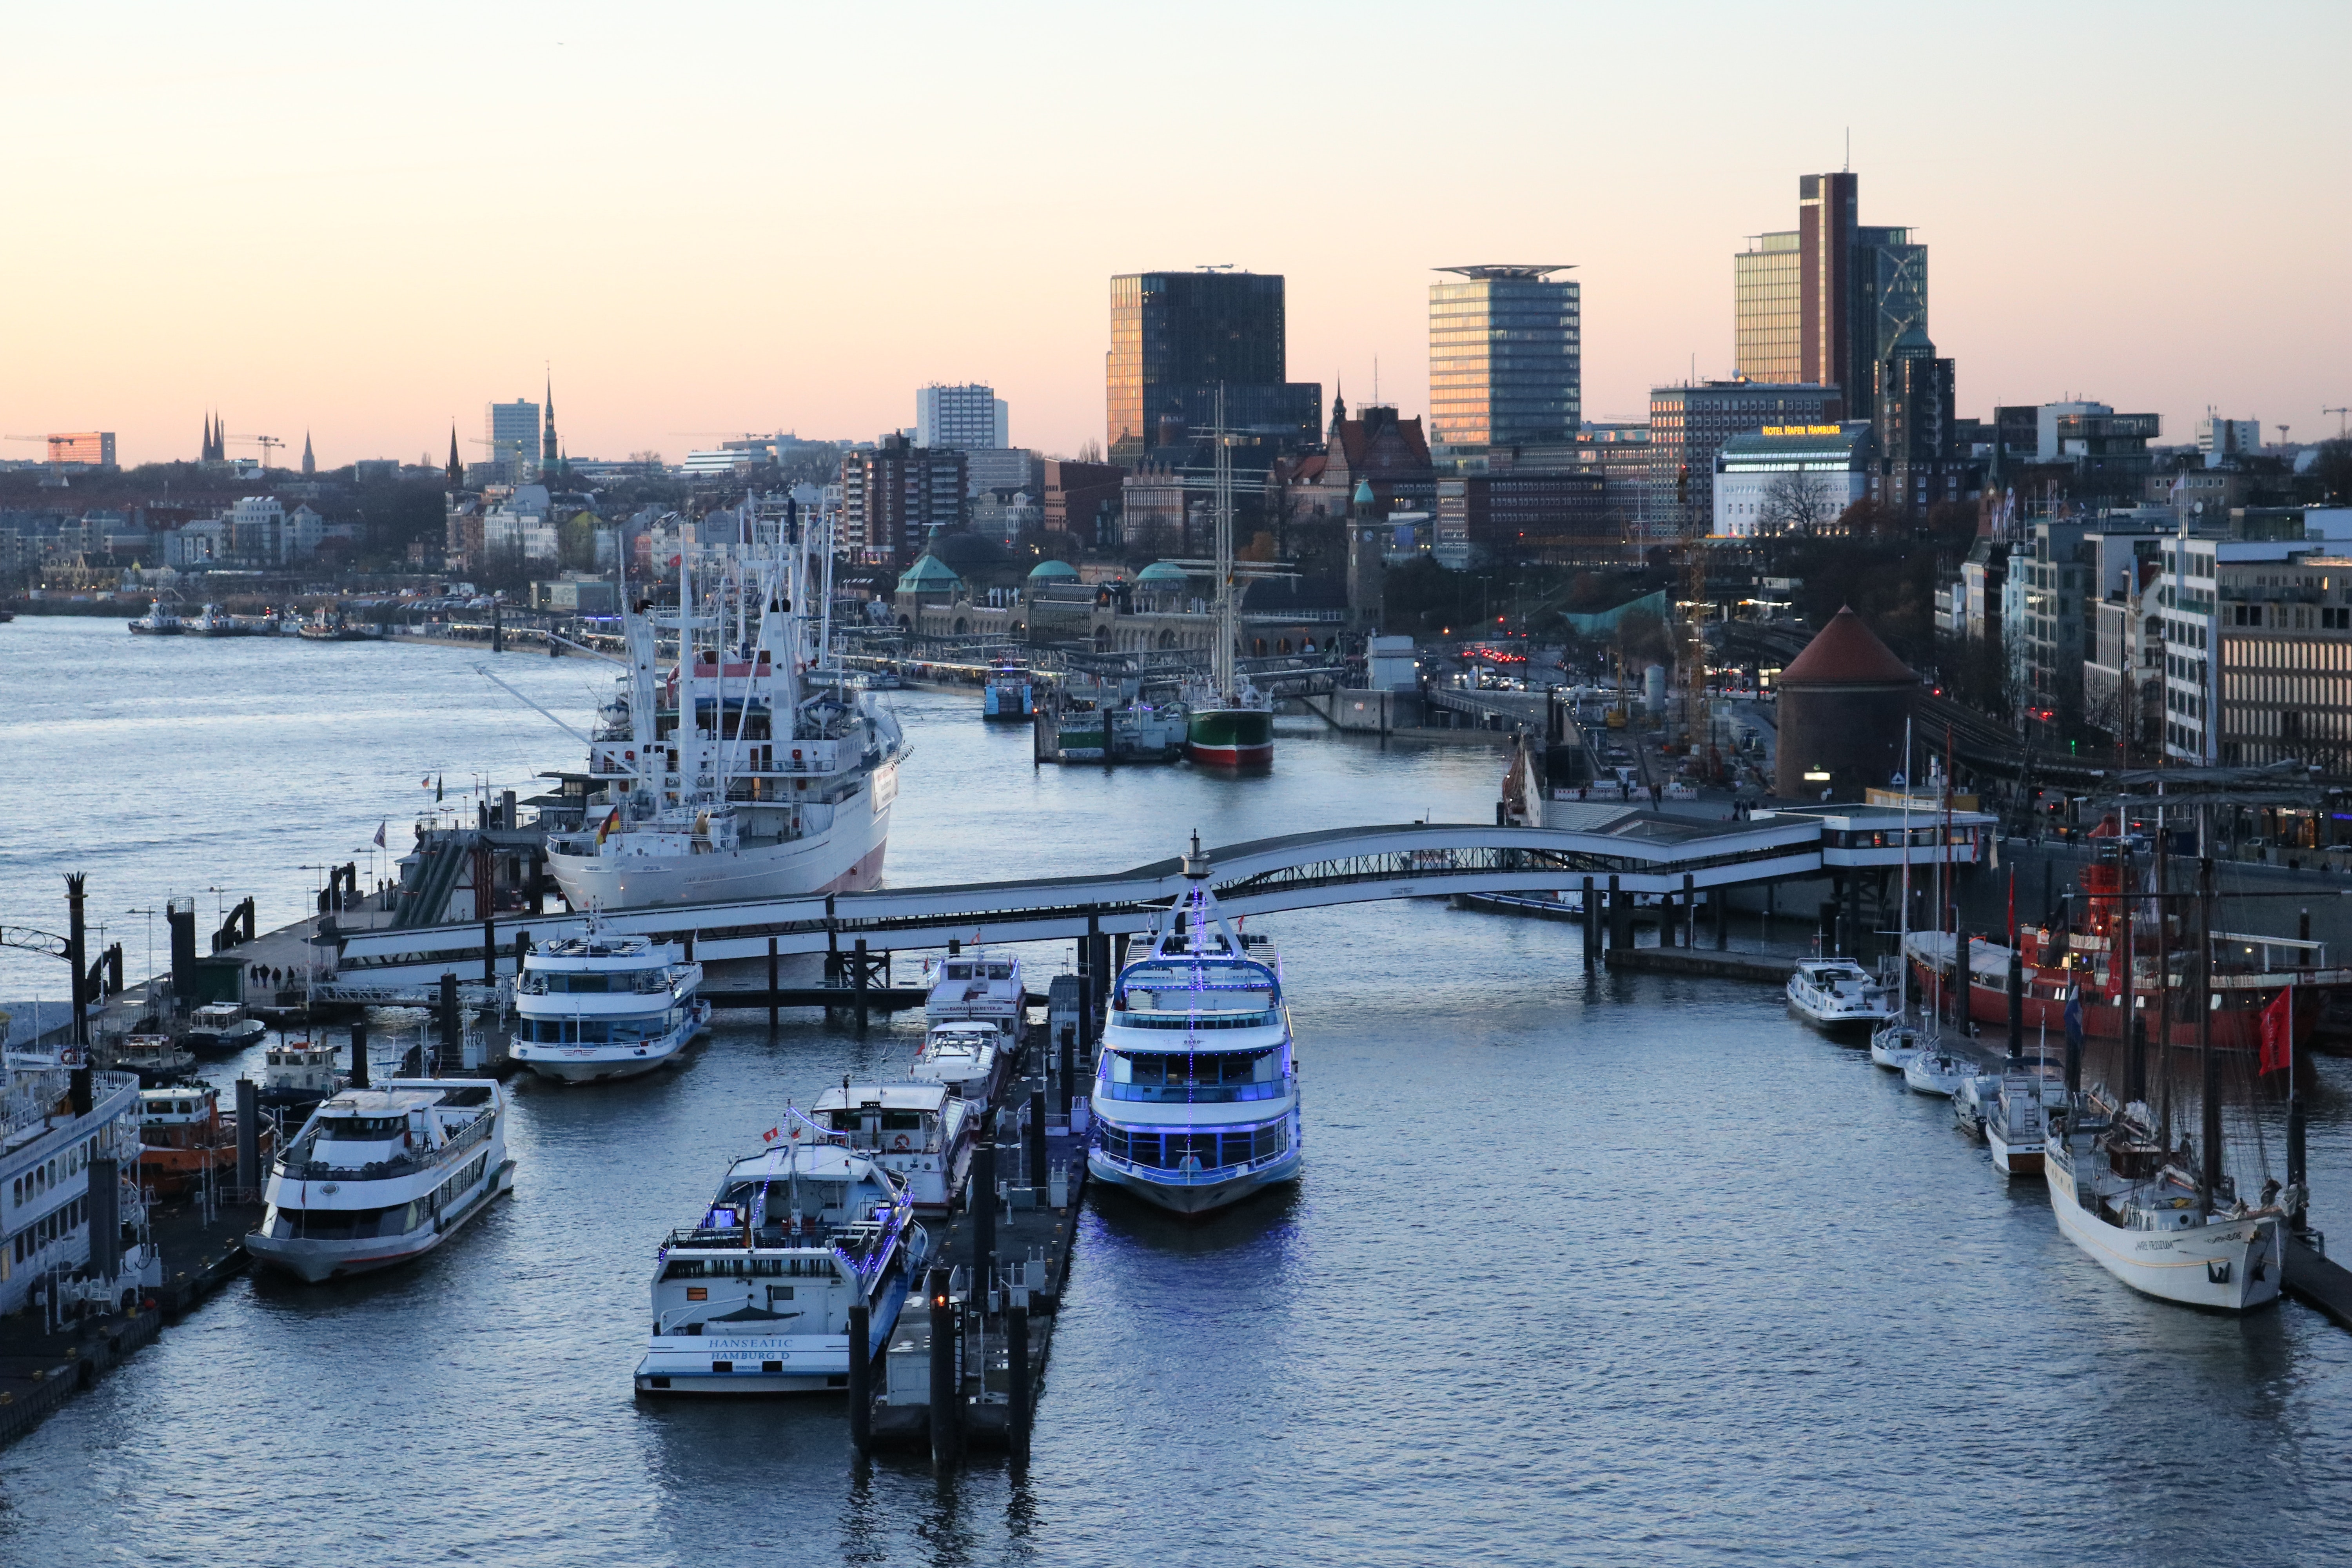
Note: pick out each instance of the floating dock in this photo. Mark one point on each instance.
(965, 1364)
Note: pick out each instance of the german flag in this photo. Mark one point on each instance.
(607, 825)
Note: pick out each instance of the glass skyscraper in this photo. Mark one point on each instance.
(1768, 310)
(1506, 357)
(1176, 337)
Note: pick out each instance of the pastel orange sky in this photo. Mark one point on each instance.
(362, 220)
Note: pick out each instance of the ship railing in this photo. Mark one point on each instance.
(1206, 1175)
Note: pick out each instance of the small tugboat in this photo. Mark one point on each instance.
(219, 1028)
(975, 986)
(160, 621)
(183, 1134)
(754, 1297)
(378, 1176)
(211, 621)
(1836, 994)
(297, 1075)
(156, 1058)
(1196, 1101)
(603, 1007)
(330, 625)
(921, 1132)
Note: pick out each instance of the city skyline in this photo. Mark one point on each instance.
(321, 283)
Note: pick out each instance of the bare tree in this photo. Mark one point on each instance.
(1797, 501)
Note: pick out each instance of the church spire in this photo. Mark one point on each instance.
(1338, 402)
(309, 463)
(550, 453)
(457, 468)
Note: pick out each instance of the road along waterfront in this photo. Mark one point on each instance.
(1624, 1268)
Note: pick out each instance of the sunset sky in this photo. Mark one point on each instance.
(364, 221)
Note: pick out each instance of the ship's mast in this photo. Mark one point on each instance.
(1223, 666)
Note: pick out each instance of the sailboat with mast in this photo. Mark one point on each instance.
(1229, 722)
(745, 774)
(2168, 1219)
(1894, 1043)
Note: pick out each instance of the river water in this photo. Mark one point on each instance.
(1621, 1270)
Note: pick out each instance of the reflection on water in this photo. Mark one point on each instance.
(1621, 1268)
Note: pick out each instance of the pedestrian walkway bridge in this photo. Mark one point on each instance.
(1644, 852)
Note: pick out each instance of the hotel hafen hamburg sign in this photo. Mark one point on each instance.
(1804, 430)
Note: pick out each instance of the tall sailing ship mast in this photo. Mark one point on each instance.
(1230, 722)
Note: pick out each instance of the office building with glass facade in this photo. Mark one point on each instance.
(1826, 300)
(1506, 357)
(1688, 426)
(1177, 337)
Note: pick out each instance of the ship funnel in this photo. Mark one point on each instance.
(1196, 864)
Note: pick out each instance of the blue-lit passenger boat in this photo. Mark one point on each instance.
(1196, 1101)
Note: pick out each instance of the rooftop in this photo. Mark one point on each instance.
(1846, 653)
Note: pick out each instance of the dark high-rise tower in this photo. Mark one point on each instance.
(1826, 301)
(1177, 337)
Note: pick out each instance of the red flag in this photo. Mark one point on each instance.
(770, 1135)
(2278, 1032)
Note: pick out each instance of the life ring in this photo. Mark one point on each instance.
(901, 1144)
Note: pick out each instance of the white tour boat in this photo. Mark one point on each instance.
(2122, 1197)
(755, 1296)
(1196, 1100)
(378, 1176)
(1835, 993)
(922, 1133)
(739, 776)
(602, 1007)
(975, 986)
(970, 1057)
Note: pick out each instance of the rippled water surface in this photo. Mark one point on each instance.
(1617, 1269)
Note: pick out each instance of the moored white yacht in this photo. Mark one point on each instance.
(1837, 994)
(981, 986)
(2132, 1204)
(378, 1176)
(1196, 1101)
(755, 1296)
(604, 1007)
(1894, 1043)
(922, 1131)
(2017, 1120)
(970, 1057)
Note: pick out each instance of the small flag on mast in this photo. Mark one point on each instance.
(609, 825)
(379, 831)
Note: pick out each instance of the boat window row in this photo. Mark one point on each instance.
(1169, 1151)
(50, 1227)
(1892, 838)
(1196, 1080)
(809, 1195)
(627, 982)
(590, 1031)
(50, 1172)
(1134, 1020)
(892, 1120)
(749, 1268)
(362, 1129)
(980, 971)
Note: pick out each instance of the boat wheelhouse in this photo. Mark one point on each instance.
(755, 1296)
(218, 1028)
(604, 1007)
(1195, 1101)
(185, 1138)
(921, 1132)
(976, 986)
(378, 1176)
(1008, 696)
(300, 1073)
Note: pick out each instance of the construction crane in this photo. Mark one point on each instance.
(56, 478)
(264, 442)
(2324, 412)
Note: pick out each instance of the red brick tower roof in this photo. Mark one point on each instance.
(1847, 653)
